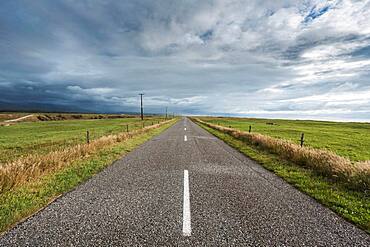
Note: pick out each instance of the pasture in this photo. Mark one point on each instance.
(351, 140)
(42, 137)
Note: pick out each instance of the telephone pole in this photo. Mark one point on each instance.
(166, 112)
(141, 106)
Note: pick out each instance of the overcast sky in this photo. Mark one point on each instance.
(281, 59)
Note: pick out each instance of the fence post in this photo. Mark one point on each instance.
(152, 123)
(126, 127)
(302, 139)
(250, 128)
(143, 124)
(87, 137)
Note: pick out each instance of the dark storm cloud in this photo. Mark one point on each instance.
(259, 58)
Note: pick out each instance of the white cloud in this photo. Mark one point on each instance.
(92, 91)
(333, 98)
(242, 57)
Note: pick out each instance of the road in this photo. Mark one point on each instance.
(185, 188)
(18, 119)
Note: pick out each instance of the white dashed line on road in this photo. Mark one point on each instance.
(186, 221)
(185, 138)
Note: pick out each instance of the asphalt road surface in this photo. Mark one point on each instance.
(185, 188)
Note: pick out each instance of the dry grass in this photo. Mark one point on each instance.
(33, 166)
(322, 161)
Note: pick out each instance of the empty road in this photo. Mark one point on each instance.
(185, 188)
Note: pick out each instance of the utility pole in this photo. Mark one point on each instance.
(166, 112)
(141, 106)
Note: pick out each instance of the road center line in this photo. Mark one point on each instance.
(186, 221)
(185, 138)
(185, 128)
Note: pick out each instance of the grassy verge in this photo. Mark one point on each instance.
(26, 199)
(354, 175)
(351, 205)
(350, 140)
(22, 139)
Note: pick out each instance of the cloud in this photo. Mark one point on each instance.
(268, 58)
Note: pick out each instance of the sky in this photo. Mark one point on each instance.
(299, 59)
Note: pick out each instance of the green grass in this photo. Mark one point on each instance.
(351, 140)
(42, 137)
(351, 205)
(25, 200)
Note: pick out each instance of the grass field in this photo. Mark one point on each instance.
(43, 137)
(351, 140)
(5, 116)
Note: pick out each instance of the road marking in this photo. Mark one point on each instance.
(185, 138)
(185, 129)
(186, 221)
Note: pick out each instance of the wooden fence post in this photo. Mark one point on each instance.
(302, 139)
(126, 127)
(87, 137)
(250, 128)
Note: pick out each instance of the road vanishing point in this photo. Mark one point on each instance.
(185, 188)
